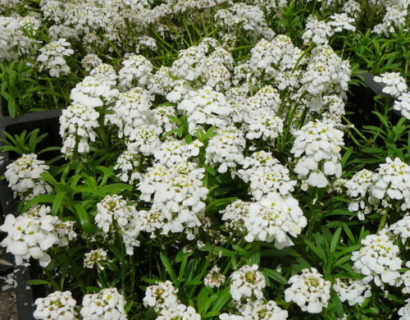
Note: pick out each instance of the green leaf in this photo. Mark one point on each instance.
(168, 267)
(335, 239)
(58, 200)
(274, 275)
(84, 218)
(38, 282)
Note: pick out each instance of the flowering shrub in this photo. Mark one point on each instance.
(212, 165)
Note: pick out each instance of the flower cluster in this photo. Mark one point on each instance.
(176, 192)
(95, 258)
(114, 212)
(106, 304)
(31, 234)
(57, 305)
(52, 56)
(378, 260)
(317, 150)
(247, 283)
(77, 125)
(354, 292)
(214, 279)
(24, 176)
(309, 291)
(162, 297)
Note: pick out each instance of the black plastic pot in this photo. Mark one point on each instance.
(47, 122)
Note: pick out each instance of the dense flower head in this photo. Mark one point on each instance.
(354, 291)
(205, 107)
(177, 193)
(358, 189)
(309, 291)
(173, 151)
(225, 149)
(115, 212)
(402, 104)
(391, 182)
(317, 31)
(95, 258)
(317, 150)
(14, 42)
(265, 175)
(136, 69)
(52, 57)
(404, 312)
(31, 234)
(234, 216)
(56, 306)
(247, 283)
(401, 228)
(161, 296)
(77, 128)
(274, 218)
(394, 83)
(264, 311)
(24, 176)
(128, 166)
(106, 304)
(378, 260)
(214, 279)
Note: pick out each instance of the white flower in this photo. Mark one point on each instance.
(205, 107)
(309, 291)
(235, 215)
(317, 150)
(136, 68)
(130, 111)
(128, 167)
(114, 208)
(392, 182)
(177, 193)
(106, 304)
(378, 260)
(402, 104)
(248, 283)
(226, 148)
(96, 258)
(214, 279)
(316, 31)
(31, 234)
(97, 90)
(352, 8)
(56, 306)
(404, 312)
(179, 311)
(24, 176)
(394, 83)
(145, 139)
(401, 228)
(358, 189)
(274, 219)
(354, 292)
(340, 22)
(161, 296)
(326, 73)
(190, 64)
(266, 175)
(90, 61)
(264, 311)
(77, 128)
(52, 57)
(405, 278)
(14, 41)
(174, 151)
